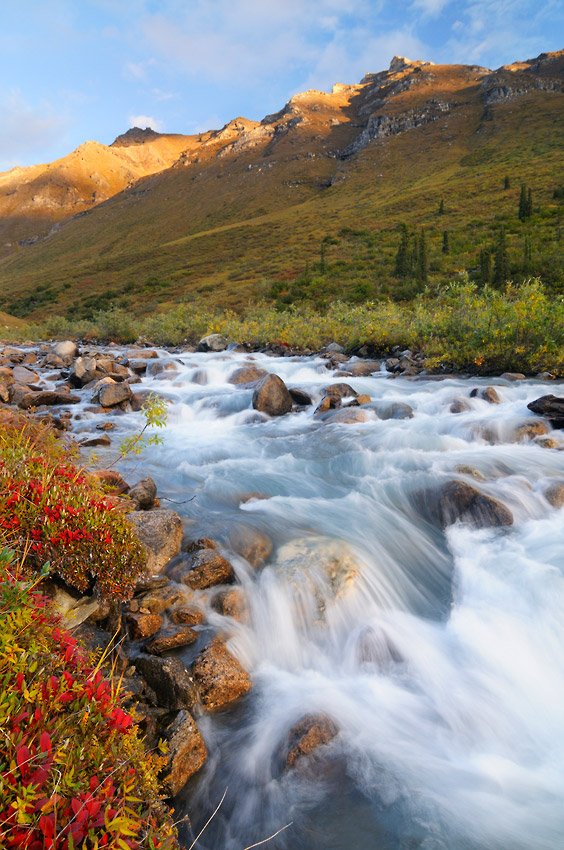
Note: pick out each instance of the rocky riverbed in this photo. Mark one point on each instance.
(351, 615)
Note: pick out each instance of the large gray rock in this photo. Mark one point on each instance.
(160, 532)
(21, 375)
(213, 342)
(247, 375)
(459, 500)
(186, 752)
(170, 680)
(48, 397)
(66, 350)
(271, 396)
(551, 407)
(110, 395)
(84, 371)
(219, 677)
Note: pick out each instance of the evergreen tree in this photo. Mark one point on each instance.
(523, 203)
(403, 260)
(485, 266)
(446, 246)
(501, 260)
(529, 203)
(506, 183)
(442, 207)
(422, 267)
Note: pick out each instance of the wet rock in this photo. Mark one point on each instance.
(396, 410)
(160, 532)
(347, 416)
(66, 350)
(160, 366)
(392, 364)
(141, 354)
(114, 481)
(187, 615)
(231, 603)
(547, 442)
(144, 494)
(219, 678)
(362, 368)
(90, 442)
(551, 407)
(513, 376)
(310, 733)
(489, 394)
(201, 543)
(21, 375)
(47, 397)
(146, 583)
(74, 611)
(157, 600)
(247, 375)
(461, 501)
(171, 638)
(459, 405)
(470, 470)
(340, 391)
(84, 371)
(299, 397)
(110, 395)
(186, 752)
(555, 494)
(202, 569)
(334, 348)
(529, 430)
(144, 625)
(362, 398)
(138, 366)
(271, 396)
(213, 342)
(169, 678)
(253, 545)
(328, 402)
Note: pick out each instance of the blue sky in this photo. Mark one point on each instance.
(72, 70)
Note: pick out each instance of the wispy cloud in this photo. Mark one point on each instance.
(27, 129)
(144, 121)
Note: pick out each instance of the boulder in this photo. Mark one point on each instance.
(513, 376)
(347, 416)
(362, 398)
(362, 368)
(271, 396)
(144, 625)
(529, 430)
(219, 678)
(186, 752)
(547, 442)
(340, 391)
(91, 442)
(141, 354)
(169, 679)
(21, 375)
(48, 397)
(253, 545)
(328, 402)
(144, 494)
(157, 600)
(188, 615)
(334, 348)
(110, 395)
(310, 733)
(160, 532)
(84, 371)
(489, 394)
(299, 397)
(247, 375)
(213, 342)
(551, 407)
(171, 638)
(396, 410)
(66, 350)
(459, 500)
(555, 494)
(160, 366)
(202, 569)
(231, 603)
(459, 405)
(4, 392)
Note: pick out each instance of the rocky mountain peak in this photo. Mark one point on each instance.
(135, 136)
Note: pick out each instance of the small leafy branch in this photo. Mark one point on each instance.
(155, 413)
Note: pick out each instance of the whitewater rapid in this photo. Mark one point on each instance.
(438, 655)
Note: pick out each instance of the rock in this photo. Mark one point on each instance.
(459, 405)
(529, 430)
(396, 410)
(160, 532)
(161, 366)
(138, 366)
(247, 375)
(328, 402)
(90, 442)
(72, 611)
(491, 395)
(469, 470)
(310, 733)
(141, 354)
(299, 397)
(555, 494)
(212, 342)
(113, 481)
(4, 392)
(347, 416)
(219, 678)
(159, 599)
(48, 397)
(551, 407)
(547, 442)
(171, 638)
(105, 426)
(187, 615)
(392, 364)
(513, 376)
(186, 752)
(253, 545)
(169, 679)
(84, 371)
(334, 348)
(362, 368)
(231, 603)
(364, 398)
(144, 494)
(461, 501)
(66, 350)
(271, 396)
(110, 395)
(340, 391)
(144, 625)
(202, 569)
(21, 375)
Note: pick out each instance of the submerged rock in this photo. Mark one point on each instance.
(171, 638)
(219, 677)
(555, 494)
(253, 545)
(529, 430)
(459, 500)
(271, 396)
(310, 733)
(231, 603)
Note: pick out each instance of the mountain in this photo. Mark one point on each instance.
(314, 192)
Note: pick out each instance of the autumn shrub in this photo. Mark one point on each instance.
(53, 512)
(73, 769)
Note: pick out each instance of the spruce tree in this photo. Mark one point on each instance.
(523, 203)
(446, 246)
(422, 268)
(529, 203)
(403, 264)
(501, 260)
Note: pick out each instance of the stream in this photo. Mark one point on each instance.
(438, 655)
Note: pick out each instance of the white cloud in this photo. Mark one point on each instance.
(27, 130)
(144, 121)
(432, 8)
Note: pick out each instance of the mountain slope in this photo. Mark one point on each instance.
(255, 200)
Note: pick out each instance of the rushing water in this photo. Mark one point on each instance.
(440, 657)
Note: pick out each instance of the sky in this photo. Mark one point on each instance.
(76, 70)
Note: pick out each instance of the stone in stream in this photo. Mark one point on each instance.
(169, 678)
(186, 752)
(219, 677)
(362, 368)
(212, 342)
(529, 430)
(144, 625)
(202, 569)
(310, 733)
(247, 375)
(513, 376)
(299, 397)
(253, 545)
(21, 375)
(158, 367)
(459, 405)
(231, 603)
(174, 637)
(396, 410)
(271, 396)
(99, 440)
(340, 391)
(459, 500)
(112, 394)
(188, 615)
(144, 494)
(67, 350)
(84, 371)
(160, 532)
(157, 600)
(555, 494)
(47, 397)
(347, 416)
(551, 407)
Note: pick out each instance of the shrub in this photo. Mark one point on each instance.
(73, 770)
(52, 512)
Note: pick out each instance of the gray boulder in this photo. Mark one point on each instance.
(271, 396)
(213, 342)
(160, 533)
